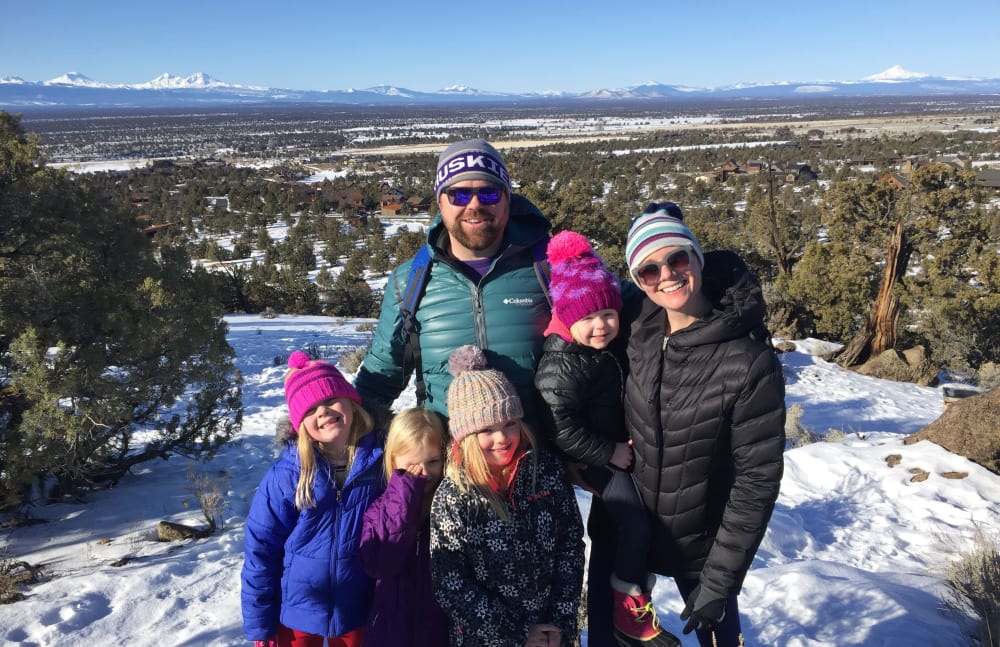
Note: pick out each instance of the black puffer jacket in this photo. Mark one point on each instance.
(582, 390)
(706, 416)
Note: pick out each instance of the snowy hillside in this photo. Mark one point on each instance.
(853, 556)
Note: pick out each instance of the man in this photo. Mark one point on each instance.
(483, 287)
(484, 290)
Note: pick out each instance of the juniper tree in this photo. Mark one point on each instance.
(99, 337)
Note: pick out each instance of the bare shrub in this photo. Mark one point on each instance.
(209, 492)
(974, 584)
(795, 432)
(14, 575)
(350, 359)
(835, 435)
(988, 376)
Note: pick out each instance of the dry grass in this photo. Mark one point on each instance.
(974, 581)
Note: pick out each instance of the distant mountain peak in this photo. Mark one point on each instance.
(77, 79)
(896, 73)
(169, 81)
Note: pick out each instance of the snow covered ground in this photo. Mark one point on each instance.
(854, 554)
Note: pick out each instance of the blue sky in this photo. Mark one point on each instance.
(513, 46)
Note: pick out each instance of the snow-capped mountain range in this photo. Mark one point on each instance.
(77, 90)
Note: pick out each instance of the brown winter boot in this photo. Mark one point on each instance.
(635, 619)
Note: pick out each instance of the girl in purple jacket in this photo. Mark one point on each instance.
(395, 541)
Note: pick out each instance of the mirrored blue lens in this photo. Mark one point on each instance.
(462, 196)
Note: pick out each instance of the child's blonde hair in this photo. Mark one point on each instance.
(412, 428)
(468, 467)
(361, 425)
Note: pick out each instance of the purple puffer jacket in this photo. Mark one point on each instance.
(395, 550)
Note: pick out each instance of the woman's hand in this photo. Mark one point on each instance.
(622, 456)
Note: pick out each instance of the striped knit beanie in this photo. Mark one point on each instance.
(580, 283)
(309, 382)
(479, 397)
(660, 225)
(473, 159)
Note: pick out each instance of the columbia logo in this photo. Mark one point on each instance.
(525, 301)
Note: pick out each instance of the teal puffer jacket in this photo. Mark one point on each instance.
(504, 313)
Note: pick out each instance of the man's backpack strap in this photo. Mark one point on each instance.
(415, 284)
(542, 268)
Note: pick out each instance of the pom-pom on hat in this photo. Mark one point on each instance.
(580, 284)
(479, 397)
(309, 382)
(473, 159)
(660, 225)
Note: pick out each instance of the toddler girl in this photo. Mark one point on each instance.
(580, 379)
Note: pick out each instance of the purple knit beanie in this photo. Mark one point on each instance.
(473, 159)
(309, 382)
(581, 284)
(478, 397)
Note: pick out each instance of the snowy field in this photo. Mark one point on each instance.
(854, 554)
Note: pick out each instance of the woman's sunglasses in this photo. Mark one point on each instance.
(649, 274)
(461, 196)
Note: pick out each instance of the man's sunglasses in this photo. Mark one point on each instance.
(461, 196)
(649, 274)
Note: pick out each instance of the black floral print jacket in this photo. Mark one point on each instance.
(495, 578)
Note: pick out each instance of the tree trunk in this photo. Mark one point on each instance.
(879, 332)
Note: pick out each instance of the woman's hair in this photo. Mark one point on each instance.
(468, 467)
(412, 428)
(308, 450)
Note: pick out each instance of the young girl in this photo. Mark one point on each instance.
(580, 378)
(395, 542)
(506, 535)
(303, 585)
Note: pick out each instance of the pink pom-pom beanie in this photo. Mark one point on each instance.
(581, 284)
(479, 397)
(309, 382)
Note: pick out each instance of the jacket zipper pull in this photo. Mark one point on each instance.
(666, 338)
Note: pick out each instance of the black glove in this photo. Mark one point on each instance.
(703, 609)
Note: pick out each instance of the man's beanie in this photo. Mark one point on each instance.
(580, 284)
(473, 159)
(660, 225)
(479, 397)
(309, 382)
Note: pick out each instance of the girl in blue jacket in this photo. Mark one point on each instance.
(302, 580)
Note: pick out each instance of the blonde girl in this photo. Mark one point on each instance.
(395, 542)
(302, 580)
(506, 535)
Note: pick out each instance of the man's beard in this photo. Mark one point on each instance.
(484, 236)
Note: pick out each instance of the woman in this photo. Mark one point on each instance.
(704, 405)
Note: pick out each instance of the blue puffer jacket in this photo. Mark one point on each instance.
(302, 567)
(505, 314)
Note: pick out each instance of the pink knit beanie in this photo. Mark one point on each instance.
(479, 397)
(581, 284)
(309, 382)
